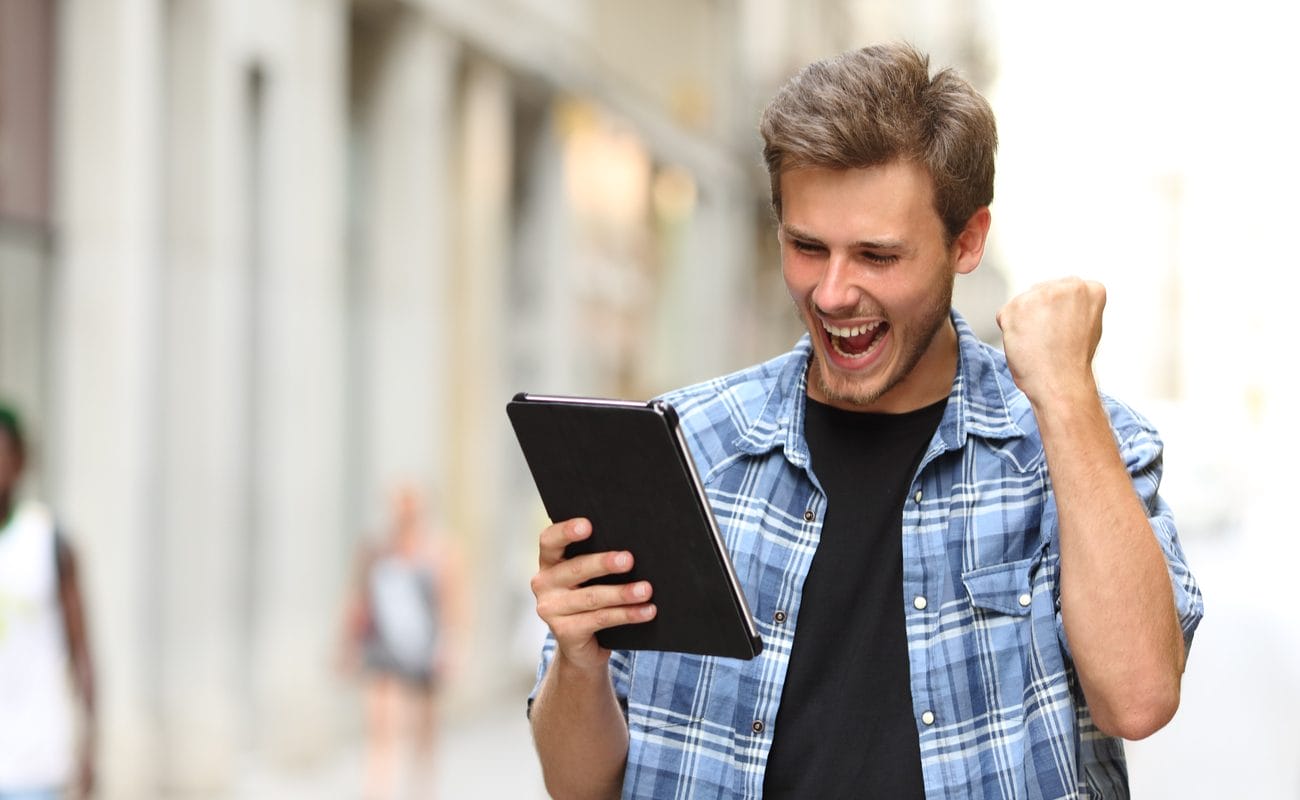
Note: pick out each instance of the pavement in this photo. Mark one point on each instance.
(487, 754)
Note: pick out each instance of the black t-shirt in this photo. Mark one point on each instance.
(846, 728)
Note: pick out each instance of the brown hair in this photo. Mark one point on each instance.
(868, 107)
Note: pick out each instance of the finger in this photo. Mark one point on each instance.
(573, 572)
(596, 597)
(556, 537)
(1098, 292)
(583, 568)
(579, 628)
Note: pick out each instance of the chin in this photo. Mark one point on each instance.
(839, 389)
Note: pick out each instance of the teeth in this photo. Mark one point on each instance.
(858, 331)
(835, 344)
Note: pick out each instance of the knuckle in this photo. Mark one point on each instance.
(546, 537)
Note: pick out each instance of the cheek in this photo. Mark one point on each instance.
(802, 273)
(799, 282)
(913, 296)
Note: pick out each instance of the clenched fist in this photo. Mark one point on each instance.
(1050, 334)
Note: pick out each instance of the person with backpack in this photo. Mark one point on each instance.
(400, 629)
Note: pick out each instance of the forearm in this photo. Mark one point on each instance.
(1117, 601)
(83, 679)
(78, 641)
(85, 682)
(580, 732)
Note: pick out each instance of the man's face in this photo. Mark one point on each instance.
(864, 257)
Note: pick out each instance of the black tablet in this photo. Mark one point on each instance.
(625, 466)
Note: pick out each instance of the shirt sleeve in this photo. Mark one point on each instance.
(1143, 454)
(620, 671)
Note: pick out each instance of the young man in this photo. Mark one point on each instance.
(965, 580)
(42, 640)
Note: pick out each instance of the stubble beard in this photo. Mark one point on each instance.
(916, 337)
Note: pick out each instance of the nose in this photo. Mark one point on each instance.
(836, 292)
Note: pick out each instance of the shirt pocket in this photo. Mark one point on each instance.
(1000, 636)
(680, 722)
(1002, 588)
(673, 694)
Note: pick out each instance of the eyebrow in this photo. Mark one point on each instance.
(869, 244)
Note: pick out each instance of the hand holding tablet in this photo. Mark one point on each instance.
(625, 469)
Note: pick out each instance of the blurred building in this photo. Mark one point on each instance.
(260, 260)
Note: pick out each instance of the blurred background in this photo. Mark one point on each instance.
(262, 260)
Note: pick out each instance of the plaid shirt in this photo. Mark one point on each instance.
(997, 704)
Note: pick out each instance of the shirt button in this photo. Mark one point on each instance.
(808, 515)
(778, 617)
(1025, 599)
(928, 717)
(920, 603)
(917, 497)
(757, 726)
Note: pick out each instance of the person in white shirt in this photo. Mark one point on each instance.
(42, 637)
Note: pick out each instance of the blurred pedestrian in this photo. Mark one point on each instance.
(402, 625)
(42, 637)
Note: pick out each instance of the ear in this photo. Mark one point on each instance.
(968, 247)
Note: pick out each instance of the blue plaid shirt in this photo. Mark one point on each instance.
(997, 704)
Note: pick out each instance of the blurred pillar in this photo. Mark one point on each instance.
(106, 331)
(477, 348)
(204, 416)
(543, 286)
(406, 256)
(707, 291)
(542, 354)
(297, 514)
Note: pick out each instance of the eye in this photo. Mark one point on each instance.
(809, 248)
(879, 259)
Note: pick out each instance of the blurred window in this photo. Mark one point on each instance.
(26, 58)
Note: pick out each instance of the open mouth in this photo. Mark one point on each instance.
(857, 342)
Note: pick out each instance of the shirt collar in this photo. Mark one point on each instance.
(977, 404)
(780, 422)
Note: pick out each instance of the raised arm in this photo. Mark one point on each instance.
(1117, 601)
(578, 726)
